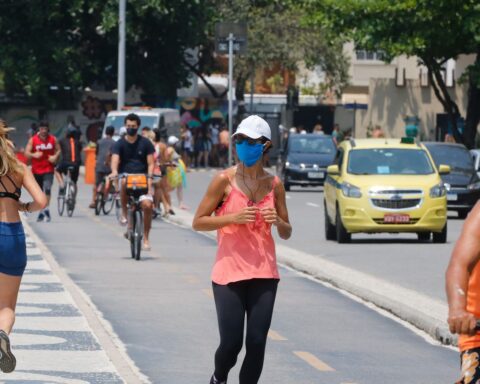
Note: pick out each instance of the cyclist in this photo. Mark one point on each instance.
(134, 154)
(463, 291)
(71, 150)
(43, 150)
(102, 162)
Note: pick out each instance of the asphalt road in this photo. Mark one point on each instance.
(162, 310)
(397, 258)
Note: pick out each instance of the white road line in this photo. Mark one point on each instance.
(313, 205)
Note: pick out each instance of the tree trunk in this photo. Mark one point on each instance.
(240, 84)
(473, 108)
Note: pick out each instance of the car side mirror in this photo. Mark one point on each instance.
(333, 170)
(444, 169)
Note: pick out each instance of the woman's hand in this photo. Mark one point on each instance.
(246, 215)
(270, 215)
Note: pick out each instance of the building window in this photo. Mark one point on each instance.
(363, 54)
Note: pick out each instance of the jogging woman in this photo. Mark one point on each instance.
(246, 201)
(13, 254)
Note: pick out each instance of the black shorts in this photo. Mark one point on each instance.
(99, 176)
(470, 360)
(63, 167)
(45, 181)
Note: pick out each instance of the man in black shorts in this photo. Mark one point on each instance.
(71, 158)
(134, 154)
(102, 161)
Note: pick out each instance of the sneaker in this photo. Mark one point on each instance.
(40, 217)
(47, 216)
(7, 360)
(214, 380)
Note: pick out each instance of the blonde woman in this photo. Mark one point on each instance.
(13, 257)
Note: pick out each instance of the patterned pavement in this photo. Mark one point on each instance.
(51, 339)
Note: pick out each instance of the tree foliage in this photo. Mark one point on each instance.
(433, 30)
(74, 43)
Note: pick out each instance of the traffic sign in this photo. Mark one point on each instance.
(223, 30)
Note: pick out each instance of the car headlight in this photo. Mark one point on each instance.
(438, 190)
(350, 190)
(291, 165)
(474, 185)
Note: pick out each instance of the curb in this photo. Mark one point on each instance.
(423, 312)
(101, 328)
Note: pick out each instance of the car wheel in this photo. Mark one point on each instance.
(423, 236)
(330, 230)
(463, 213)
(342, 235)
(440, 237)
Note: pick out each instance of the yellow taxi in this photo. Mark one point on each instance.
(385, 185)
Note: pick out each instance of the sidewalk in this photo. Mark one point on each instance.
(58, 337)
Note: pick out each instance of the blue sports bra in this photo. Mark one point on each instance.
(12, 195)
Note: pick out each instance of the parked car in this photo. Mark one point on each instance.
(305, 159)
(387, 185)
(462, 183)
(476, 160)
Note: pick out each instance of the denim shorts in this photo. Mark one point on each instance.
(13, 250)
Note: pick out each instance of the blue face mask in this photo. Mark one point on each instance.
(249, 154)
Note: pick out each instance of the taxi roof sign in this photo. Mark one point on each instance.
(407, 140)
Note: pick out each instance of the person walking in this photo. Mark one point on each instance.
(13, 252)
(463, 291)
(43, 150)
(242, 203)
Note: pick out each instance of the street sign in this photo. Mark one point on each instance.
(223, 31)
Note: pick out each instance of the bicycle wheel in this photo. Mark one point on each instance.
(60, 203)
(98, 204)
(118, 209)
(138, 233)
(131, 233)
(109, 203)
(70, 199)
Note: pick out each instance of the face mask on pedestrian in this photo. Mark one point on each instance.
(248, 153)
(132, 131)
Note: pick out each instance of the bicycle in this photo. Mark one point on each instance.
(67, 194)
(136, 186)
(107, 198)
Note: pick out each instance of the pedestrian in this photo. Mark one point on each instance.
(43, 150)
(203, 145)
(13, 252)
(176, 175)
(224, 142)
(318, 129)
(337, 134)
(71, 151)
(214, 138)
(378, 132)
(103, 158)
(463, 291)
(186, 139)
(242, 203)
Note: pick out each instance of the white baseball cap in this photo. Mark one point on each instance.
(254, 127)
(172, 140)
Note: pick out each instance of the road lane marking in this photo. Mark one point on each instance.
(313, 205)
(314, 361)
(208, 292)
(274, 335)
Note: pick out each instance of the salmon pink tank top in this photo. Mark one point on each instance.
(473, 306)
(245, 251)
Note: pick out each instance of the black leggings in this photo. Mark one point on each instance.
(256, 298)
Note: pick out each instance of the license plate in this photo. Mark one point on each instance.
(396, 219)
(452, 196)
(316, 175)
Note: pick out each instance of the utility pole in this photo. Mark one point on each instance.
(122, 5)
(231, 39)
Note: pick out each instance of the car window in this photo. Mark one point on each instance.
(309, 144)
(458, 158)
(389, 161)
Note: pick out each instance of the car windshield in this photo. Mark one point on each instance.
(118, 122)
(389, 161)
(311, 144)
(458, 158)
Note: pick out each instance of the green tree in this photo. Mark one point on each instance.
(74, 43)
(433, 30)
